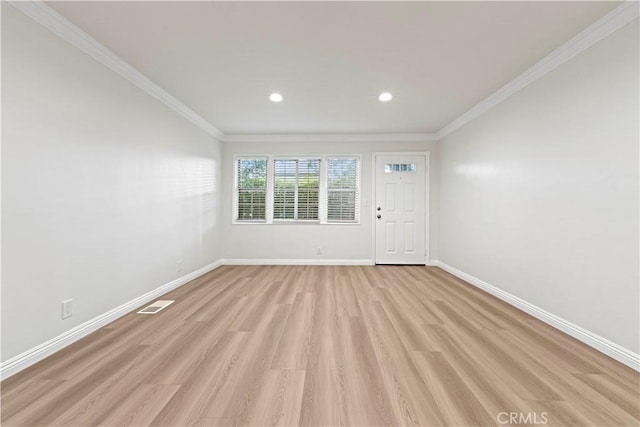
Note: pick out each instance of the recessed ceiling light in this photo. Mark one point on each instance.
(276, 97)
(385, 96)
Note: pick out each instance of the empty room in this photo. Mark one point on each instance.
(320, 213)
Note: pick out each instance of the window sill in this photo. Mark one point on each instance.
(294, 222)
(236, 222)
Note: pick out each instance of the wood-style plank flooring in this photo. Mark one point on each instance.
(325, 346)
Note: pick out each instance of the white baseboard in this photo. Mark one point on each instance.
(39, 352)
(281, 261)
(29, 357)
(599, 343)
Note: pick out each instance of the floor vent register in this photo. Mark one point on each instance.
(156, 306)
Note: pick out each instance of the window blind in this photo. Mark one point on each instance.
(343, 182)
(251, 188)
(296, 187)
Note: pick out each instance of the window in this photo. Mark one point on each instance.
(342, 189)
(399, 167)
(309, 189)
(296, 189)
(251, 189)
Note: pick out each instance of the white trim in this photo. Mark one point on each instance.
(296, 261)
(58, 24)
(322, 195)
(29, 357)
(427, 177)
(39, 352)
(234, 200)
(603, 27)
(331, 137)
(427, 210)
(595, 341)
(325, 195)
(608, 24)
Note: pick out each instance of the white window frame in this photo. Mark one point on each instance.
(357, 207)
(271, 161)
(234, 213)
(322, 196)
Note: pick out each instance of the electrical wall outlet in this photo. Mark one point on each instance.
(180, 266)
(67, 308)
(319, 250)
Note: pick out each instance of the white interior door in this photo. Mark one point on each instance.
(400, 209)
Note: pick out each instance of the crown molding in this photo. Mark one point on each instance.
(603, 27)
(608, 24)
(59, 25)
(331, 137)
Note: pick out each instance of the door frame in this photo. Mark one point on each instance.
(427, 199)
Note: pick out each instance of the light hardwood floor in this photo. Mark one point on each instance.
(325, 346)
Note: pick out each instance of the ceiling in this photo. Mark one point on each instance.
(330, 60)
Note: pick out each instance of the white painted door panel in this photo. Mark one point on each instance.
(400, 209)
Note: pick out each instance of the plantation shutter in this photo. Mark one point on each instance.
(251, 189)
(296, 186)
(343, 182)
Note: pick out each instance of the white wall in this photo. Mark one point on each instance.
(299, 241)
(539, 196)
(103, 188)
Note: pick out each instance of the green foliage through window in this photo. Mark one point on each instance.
(252, 189)
(296, 189)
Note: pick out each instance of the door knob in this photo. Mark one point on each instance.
(379, 216)
(379, 208)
